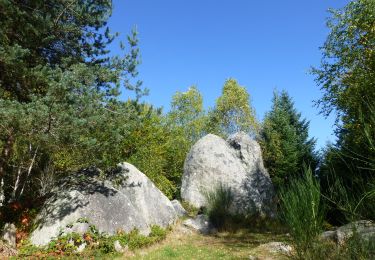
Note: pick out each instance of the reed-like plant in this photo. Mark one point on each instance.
(302, 211)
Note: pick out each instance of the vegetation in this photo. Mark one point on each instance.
(285, 141)
(346, 77)
(224, 245)
(233, 111)
(302, 211)
(219, 201)
(61, 111)
(96, 244)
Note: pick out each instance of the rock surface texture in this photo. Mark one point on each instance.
(9, 234)
(127, 201)
(180, 211)
(236, 164)
(365, 229)
(200, 224)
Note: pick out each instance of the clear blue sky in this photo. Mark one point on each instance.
(263, 44)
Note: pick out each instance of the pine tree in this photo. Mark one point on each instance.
(284, 140)
(58, 90)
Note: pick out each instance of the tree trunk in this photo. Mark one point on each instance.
(6, 176)
(29, 170)
(6, 154)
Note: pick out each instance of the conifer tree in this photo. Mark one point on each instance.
(284, 140)
(58, 90)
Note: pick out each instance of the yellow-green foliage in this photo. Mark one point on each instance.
(233, 111)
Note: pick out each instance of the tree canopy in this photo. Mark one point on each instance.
(347, 80)
(285, 140)
(58, 89)
(233, 111)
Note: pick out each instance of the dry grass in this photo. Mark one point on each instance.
(181, 243)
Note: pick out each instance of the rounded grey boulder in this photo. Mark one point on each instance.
(127, 201)
(236, 164)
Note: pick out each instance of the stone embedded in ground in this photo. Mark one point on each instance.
(236, 164)
(328, 235)
(180, 211)
(6, 250)
(200, 224)
(365, 229)
(9, 234)
(128, 201)
(80, 248)
(273, 249)
(118, 247)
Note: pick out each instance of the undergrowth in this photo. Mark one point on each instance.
(96, 244)
(302, 211)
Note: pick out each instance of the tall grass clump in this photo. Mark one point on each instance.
(219, 201)
(301, 211)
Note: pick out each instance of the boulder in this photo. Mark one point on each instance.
(78, 227)
(124, 200)
(236, 164)
(180, 211)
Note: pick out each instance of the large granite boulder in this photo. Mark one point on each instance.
(236, 164)
(124, 200)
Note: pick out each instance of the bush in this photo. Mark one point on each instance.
(301, 210)
(97, 244)
(191, 210)
(354, 247)
(219, 201)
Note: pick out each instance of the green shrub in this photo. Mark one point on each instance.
(301, 210)
(354, 247)
(219, 201)
(191, 210)
(97, 244)
(359, 248)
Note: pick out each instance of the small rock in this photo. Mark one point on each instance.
(81, 248)
(9, 234)
(275, 248)
(253, 257)
(118, 247)
(201, 224)
(180, 211)
(182, 229)
(328, 235)
(6, 250)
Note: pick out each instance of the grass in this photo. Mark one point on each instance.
(177, 242)
(302, 211)
(225, 245)
(219, 201)
(181, 243)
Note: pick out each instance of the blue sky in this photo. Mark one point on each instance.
(265, 45)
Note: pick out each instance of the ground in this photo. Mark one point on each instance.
(182, 243)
